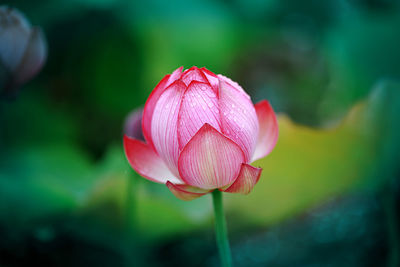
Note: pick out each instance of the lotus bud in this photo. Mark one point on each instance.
(23, 50)
(202, 131)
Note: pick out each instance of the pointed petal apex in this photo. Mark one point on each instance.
(164, 125)
(212, 79)
(152, 101)
(268, 130)
(176, 74)
(185, 192)
(246, 180)
(210, 160)
(149, 108)
(199, 106)
(238, 118)
(193, 74)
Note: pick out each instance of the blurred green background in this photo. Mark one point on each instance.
(329, 193)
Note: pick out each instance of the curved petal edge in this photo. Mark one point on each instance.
(193, 74)
(146, 162)
(199, 106)
(210, 160)
(164, 125)
(212, 79)
(238, 118)
(152, 100)
(268, 130)
(246, 180)
(186, 192)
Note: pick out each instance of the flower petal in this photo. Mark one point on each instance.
(133, 124)
(176, 74)
(193, 74)
(34, 57)
(199, 106)
(152, 100)
(233, 84)
(146, 162)
(238, 118)
(186, 192)
(246, 180)
(14, 35)
(212, 79)
(164, 125)
(268, 133)
(210, 160)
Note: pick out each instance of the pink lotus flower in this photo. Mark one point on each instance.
(202, 131)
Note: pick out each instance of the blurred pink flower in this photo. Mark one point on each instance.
(23, 49)
(202, 131)
(133, 124)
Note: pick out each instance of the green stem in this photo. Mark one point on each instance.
(220, 229)
(131, 201)
(130, 217)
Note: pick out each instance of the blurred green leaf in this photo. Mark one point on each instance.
(310, 165)
(42, 181)
(361, 51)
